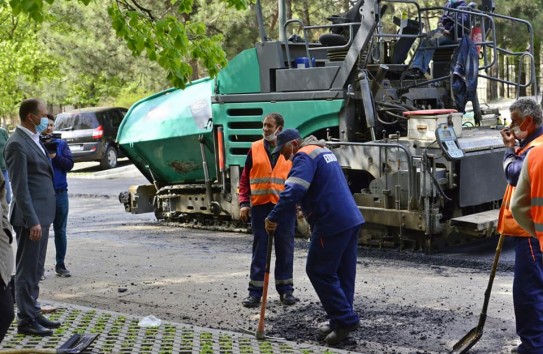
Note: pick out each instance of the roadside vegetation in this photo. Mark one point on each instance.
(114, 52)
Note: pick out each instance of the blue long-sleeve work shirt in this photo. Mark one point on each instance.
(318, 184)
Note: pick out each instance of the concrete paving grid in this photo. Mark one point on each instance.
(120, 333)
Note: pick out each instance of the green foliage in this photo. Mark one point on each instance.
(171, 42)
(171, 39)
(23, 64)
(96, 66)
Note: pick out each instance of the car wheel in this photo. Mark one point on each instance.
(110, 158)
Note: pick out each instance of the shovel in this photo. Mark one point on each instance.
(260, 330)
(75, 345)
(473, 336)
(260, 335)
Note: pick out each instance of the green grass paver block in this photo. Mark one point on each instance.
(225, 344)
(121, 334)
(265, 347)
(245, 346)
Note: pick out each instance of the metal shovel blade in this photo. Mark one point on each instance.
(77, 343)
(468, 341)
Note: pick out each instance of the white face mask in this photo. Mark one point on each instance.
(519, 134)
(271, 137)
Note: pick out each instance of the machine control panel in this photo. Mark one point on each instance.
(446, 138)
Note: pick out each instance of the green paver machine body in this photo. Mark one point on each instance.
(348, 88)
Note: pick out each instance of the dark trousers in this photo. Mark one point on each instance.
(331, 268)
(6, 309)
(528, 295)
(29, 262)
(59, 226)
(284, 251)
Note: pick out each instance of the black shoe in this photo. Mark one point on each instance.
(42, 320)
(62, 271)
(251, 301)
(339, 334)
(288, 299)
(324, 329)
(414, 73)
(34, 328)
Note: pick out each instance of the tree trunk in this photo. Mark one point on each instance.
(492, 89)
(288, 9)
(305, 13)
(501, 68)
(537, 62)
(274, 20)
(195, 74)
(520, 78)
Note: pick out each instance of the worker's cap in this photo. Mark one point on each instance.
(284, 137)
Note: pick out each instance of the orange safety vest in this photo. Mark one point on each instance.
(266, 183)
(535, 172)
(506, 223)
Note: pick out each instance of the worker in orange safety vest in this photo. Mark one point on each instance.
(526, 115)
(527, 201)
(261, 182)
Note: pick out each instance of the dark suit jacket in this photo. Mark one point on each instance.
(31, 175)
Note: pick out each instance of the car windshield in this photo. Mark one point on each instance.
(76, 121)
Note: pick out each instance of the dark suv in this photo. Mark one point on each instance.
(91, 133)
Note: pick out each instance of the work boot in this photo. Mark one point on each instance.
(288, 299)
(47, 323)
(62, 271)
(340, 333)
(34, 328)
(324, 329)
(251, 301)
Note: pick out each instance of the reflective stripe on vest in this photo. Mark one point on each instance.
(535, 172)
(506, 223)
(266, 183)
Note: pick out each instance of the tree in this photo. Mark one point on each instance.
(95, 66)
(22, 63)
(166, 35)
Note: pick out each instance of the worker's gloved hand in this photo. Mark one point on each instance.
(244, 213)
(270, 226)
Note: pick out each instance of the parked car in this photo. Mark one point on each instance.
(91, 133)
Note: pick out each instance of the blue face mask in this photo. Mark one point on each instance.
(44, 123)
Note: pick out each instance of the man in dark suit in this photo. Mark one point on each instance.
(32, 212)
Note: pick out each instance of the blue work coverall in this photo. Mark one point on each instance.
(318, 184)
